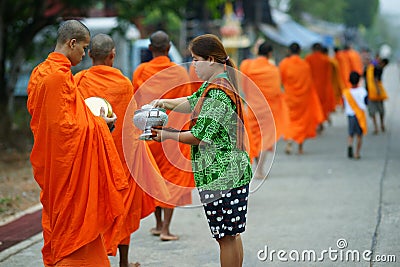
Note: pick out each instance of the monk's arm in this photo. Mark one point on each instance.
(180, 104)
(184, 137)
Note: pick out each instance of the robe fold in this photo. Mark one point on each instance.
(266, 110)
(305, 111)
(161, 78)
(110, 84)
(74, 161)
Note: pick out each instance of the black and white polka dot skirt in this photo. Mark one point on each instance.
(226, 210)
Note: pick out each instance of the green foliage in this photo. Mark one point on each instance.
(361, 12)
(329, 10)
(352, 13)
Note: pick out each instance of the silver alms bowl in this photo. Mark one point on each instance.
(147, 118)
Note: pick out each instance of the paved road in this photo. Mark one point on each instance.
(319, 202)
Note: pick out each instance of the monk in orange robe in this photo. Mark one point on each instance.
(161, 78)
(102, 80)
(262, 88)
(344, 66)
(74, 159)
(305, 111)
(356, 63)
(337, 83)
(322, 78)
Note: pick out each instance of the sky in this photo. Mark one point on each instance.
(390, 6)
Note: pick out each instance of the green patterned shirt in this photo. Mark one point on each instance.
(217, 163)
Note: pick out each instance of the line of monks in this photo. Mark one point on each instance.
(97, 186)
(296, 97)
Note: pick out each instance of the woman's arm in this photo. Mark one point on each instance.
(180, 104)
(184, 137)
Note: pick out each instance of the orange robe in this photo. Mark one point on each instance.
(337, 82)
(322, 78)
(305, 111)
(267, 111)
(161, 78)
(356, 63)
(110, 84)
(75, 163)
(344, 67)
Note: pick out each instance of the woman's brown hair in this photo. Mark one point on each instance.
(209, 45)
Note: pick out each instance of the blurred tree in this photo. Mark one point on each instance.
(167, 15)
(352, 13)
(360, 12)
(330, 10)
(19, 23)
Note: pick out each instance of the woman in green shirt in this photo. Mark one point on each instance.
(220, 163)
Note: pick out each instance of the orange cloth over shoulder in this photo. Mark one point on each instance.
(267, 111)
(321, 72)
(305, 112)
(110, 84)
(360, 114)
(74, 160)
(376, 90)
(161, 78)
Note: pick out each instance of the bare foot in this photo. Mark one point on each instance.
(136, 264)
(168, 237)
(155, 231)
(288, 148)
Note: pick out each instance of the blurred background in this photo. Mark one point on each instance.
(28, 32)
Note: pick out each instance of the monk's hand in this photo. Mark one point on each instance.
(109, 120)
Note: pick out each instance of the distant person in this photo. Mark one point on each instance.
(162, 78)
(355, 100)
(74, 159)
(356, 63)
(221, 165)
(102, 80)
(321, 72)
(376, 93)
(305, 111)
(344, 66)
(262, 89)
(335, 97)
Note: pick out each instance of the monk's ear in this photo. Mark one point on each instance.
(72, 43)
(112, 54)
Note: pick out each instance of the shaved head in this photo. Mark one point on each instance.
(159, 41)
(101, 46)
(72, 29)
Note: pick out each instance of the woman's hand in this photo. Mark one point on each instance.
(158, 103)
(157, 134)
